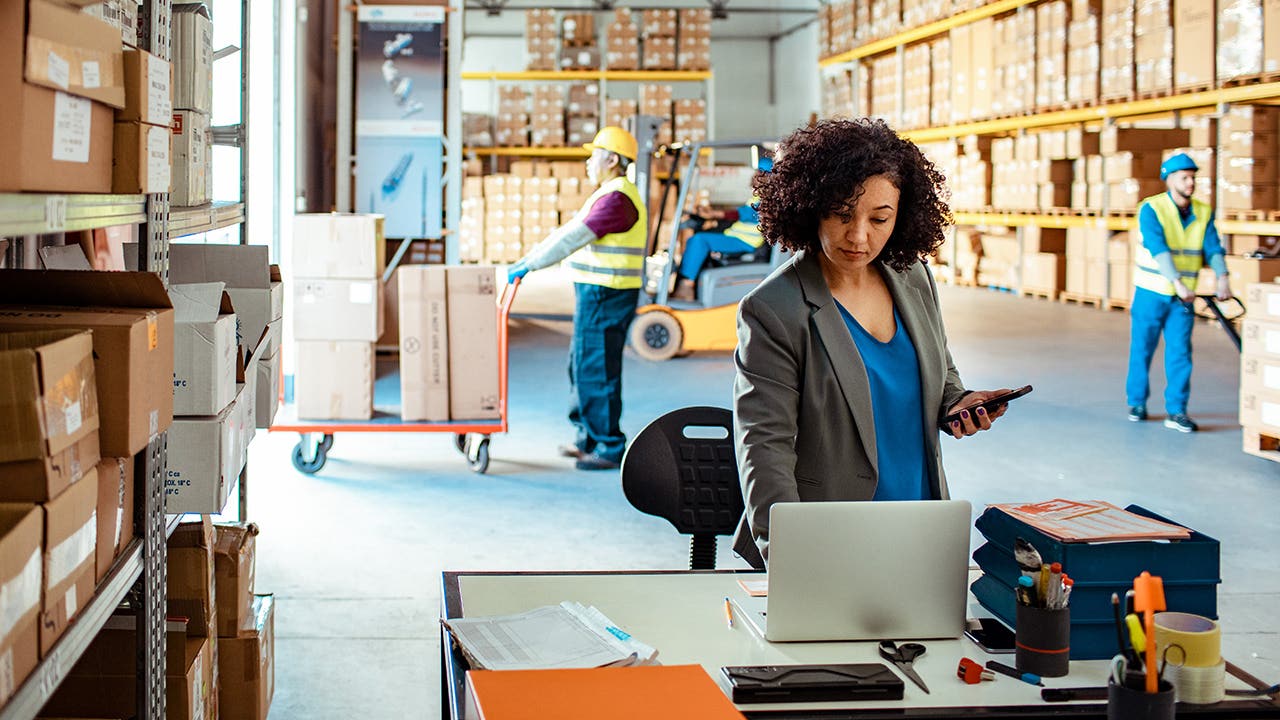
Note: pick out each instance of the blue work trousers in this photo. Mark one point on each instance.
(1151, 315)
(701, 245)
(600, 320)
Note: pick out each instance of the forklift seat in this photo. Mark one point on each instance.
(761, 254)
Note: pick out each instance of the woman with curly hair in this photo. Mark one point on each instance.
(843, 372)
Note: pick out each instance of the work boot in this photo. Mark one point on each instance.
(684, 290)
(1181, 423)
(592, 461)
(570, 450)
(1137, 413)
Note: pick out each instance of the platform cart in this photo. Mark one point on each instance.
(471, 438)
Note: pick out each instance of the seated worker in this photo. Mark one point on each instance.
(742, 236)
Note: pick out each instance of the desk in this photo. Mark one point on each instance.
(681, 613)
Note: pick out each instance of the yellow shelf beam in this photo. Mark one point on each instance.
(924, 31)
(1248, 227)
(1153, 106)
(1112, 222)
(538, 152)
(615, 75)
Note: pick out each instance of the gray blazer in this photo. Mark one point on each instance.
(803, 423)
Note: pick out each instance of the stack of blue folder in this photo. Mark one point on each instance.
(1190, 569)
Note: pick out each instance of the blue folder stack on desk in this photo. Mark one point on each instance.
(1190, 569)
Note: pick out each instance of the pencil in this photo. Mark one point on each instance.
(728, 612)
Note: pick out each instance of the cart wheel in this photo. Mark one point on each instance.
(327, 442)
(312, 466)
(460, 442)
(478, 458)
(656, 335)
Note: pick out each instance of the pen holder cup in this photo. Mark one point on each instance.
(1043, 641)
(1126, 703)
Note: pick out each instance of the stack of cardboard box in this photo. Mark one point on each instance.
(192, 105)
(1088, 251)
(141, 161)
(972, 188)
(940, 85)
(695, 39)
(622, 42)
(1052, 19)
(538, 213)
(1044, 268)
(1083, 51)
(973, 70)
(1120, 267)
(1194, 43)
(1013, 84)
(546, 127)
(503, 196)
(1248, 143)
(337, 313)
(477, 130)
(56, 130)
(842, 27)
(658, 31)
(1153, 45)
(1013, 176)
(192, 595)
(920, 12)
(578, 47)
(471, 224)
(1131, 163)
(245, 655)
(540, 39)
(884, 88)
(1260, 367)
(120, 14)
(916, 81)
(837, 95)
(617, 111)
(1117, 61)
(886, 18)
(691, 120)
(582, 114)
(655, 99)
(824, 30)
(513, 116)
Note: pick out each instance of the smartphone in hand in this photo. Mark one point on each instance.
(990, 404)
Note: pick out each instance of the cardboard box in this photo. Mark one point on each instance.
(1044, 271)
(1113, 140)
(51, 141)
(206, 455)
(233, 559)
(1194, 33)
(336, 309)
(1263, 299)
(1259, 373)
(251, 281)
(424, 344)
(192, 59)
(39, 480)
(190, 692)
(338, 246)
(70, 51)
(334, 380)
(1252, 270)
(148, 92)
(21, 568)
(268, 396)
(246, 666)
(473, 342)
(190, 579)
(1260, 409)
(50, 399)
(133, 339)
(190, 152)
(204, 357)
(1271, 36)
(115, 511)
(140, 162)
(70, 537)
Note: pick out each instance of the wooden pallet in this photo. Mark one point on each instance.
(1201, 87)
(1262, 443)
(1118, 303)
(1045, 293)
(1154, 93)
(1060, 211)
(1249, 79)
(1247, 215)
(1082, 299)
(1122, 213)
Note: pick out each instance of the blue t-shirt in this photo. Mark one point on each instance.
(898, 406)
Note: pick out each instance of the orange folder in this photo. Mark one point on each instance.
(661, 692)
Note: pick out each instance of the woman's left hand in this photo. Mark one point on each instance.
(973, 421)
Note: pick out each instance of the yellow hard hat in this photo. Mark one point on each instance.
(616, 140)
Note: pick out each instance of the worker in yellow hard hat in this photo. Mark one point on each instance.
(604, 245)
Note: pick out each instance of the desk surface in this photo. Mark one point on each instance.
(682, 615)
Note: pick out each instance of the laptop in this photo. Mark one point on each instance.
(864, 571)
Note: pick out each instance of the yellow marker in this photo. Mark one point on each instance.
(1042, 588)
(1137, 637)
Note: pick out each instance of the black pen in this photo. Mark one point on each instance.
(1028, 678)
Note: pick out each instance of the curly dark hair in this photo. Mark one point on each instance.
(819, 172)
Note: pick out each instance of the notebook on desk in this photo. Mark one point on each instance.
(864, 571)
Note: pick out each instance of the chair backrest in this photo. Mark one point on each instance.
(681, 467)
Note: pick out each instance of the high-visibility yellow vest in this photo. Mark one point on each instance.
(617, 259)
(747, 232)
(1185, 244)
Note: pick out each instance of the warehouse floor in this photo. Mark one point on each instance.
(354, 554)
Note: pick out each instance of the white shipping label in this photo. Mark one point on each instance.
(73, 417)
(362, 293)
(158, 166)
(159, 99)
(59, 70)
(1271, 341)
(21, 594)
(91, 74)
(6, 674)
(72, 605)
(1271, 413)
(1273, 304)
(67, 555)
(1271, 377)
(72, 122)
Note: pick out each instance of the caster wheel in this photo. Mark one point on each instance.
(312, 466)
(460, 442)
(478, 461)
(656, 336)
(327, 443)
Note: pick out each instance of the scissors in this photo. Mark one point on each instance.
(903, 657)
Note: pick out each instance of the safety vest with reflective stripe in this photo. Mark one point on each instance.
(1185, 244)
(617, 259)
(747, 232)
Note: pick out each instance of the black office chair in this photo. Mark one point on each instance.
(681, 467)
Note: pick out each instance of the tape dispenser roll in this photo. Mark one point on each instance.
(1198, 685)
(1188, 640)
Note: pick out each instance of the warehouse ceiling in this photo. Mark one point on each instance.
(743, 19)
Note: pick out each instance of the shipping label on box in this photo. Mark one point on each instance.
(70, 536)
(140, 163)
(334, 380)
(338, 246)
(74, 52)
(21, 572)
(204, 360)
(424, 344)
(148, 94)
(473, 342)
(54, 142)
(191, 150)
(327, 309)
(204, 460)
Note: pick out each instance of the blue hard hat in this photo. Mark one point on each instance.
(1180, 161)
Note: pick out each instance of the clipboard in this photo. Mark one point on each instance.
(812, 683)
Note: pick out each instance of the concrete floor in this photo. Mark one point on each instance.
(354, 554)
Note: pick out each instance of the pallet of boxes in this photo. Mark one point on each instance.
(1260, 368)
(87, 360)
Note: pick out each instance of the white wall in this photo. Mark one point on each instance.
(797, 87)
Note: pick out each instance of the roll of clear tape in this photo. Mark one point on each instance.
(1188, 640)
(1198, 685)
